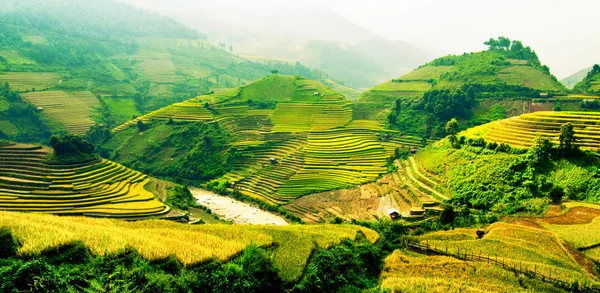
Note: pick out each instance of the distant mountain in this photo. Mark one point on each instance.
(312, 34)
(574, 78)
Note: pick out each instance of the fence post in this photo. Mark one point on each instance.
(446, 249)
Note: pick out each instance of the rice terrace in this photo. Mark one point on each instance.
(229, 146)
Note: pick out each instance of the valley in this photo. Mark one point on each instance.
(149, 150)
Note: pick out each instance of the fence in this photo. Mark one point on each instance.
(513, 267)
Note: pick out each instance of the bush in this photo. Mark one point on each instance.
(179, 196)
(8, 244)
(70, 147)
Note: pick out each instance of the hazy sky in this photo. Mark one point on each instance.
(563, 33)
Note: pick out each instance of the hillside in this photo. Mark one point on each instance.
(30, 181)
(575, 78)
(590, 83)
(474, 87)
(318, 141)
(107, 62)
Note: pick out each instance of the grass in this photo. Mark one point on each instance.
(72, 109)
(426, 73)
(155, 240)
(529, 77)
(271, 88)
(122, 109)
(409, 86)
(26, 81)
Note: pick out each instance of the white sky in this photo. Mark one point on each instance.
(563, 33)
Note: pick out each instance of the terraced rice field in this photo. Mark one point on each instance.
(72, 109)
(26, 81)
(154, 240)
(521, 131)
(310, 133)
(97, 188)
(514, 245)
(411, 190)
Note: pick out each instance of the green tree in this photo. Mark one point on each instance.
(452, 129)
(274, 71)
(567, 137)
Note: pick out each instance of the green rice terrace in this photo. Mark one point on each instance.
(101, 188)
(294, 137)
(522, 131)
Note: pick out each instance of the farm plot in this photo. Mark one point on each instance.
(96, 188)
(27, 81)
(154, 240)
(72, 109)
(411, 191)
(521, 131)
(515, 246)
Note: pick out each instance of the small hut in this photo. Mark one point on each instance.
(414, 150)
(393, 213)
(316, 94)
(273, 160)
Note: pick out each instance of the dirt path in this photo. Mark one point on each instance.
(236, 211)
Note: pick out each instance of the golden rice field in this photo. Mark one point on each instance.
(291, 245)
(516, 246)
(581, 235)
(72, 109)
(521, 131)
(28, 182)
(405, 272)
(26, 81)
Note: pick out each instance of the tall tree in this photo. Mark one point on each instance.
(452, 129)
(567, 136)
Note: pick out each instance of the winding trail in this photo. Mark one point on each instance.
(233, 210)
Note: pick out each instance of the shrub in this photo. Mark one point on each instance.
(8, 244)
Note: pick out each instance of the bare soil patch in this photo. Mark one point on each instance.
(236, 211)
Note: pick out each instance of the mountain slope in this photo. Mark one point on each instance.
(476, 87)
(123, 60)
(276, 139)
(590, 83)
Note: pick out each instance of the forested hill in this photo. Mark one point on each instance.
(82, 63)
(591, 83)
(100, 18)
(473, 87)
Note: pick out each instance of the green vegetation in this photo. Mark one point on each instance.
(231, 136)
(106, 71)
(20, 120)
(459, 86)
(590, 83)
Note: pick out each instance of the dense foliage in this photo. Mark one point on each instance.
(180, 197)
(183, 152)
(488, 176)
(19, 120)
(70, 147)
